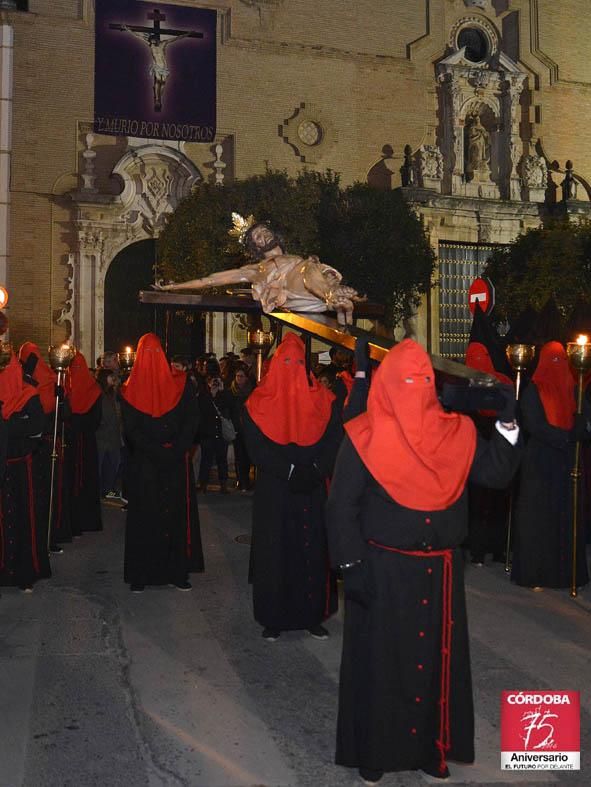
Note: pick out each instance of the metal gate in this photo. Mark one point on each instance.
(459, 265)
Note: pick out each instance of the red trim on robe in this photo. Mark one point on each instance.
(443, 742)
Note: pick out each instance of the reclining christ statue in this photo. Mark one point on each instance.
(280, 280)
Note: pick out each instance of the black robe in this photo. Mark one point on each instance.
(85, 491)
(542, 551)
(23, 540)
(391, 664)
(61, 527)
(41, 484)
(163, 538)
(293, 587)
(489, 510)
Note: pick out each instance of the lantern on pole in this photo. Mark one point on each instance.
(260, 341)
(579, 357)
(519, 356)
(60, 358)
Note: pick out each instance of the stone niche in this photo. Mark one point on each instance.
(479, 93)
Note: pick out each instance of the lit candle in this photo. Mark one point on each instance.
(582, 339)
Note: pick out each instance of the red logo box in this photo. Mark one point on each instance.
(540, 730)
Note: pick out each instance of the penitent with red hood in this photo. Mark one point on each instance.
(160, 418)
(397, 514)
(292, 431)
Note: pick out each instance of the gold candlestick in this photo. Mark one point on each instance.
(60, 357)
(579, 357)
(260, 341)
(127, 358)
(519, 356)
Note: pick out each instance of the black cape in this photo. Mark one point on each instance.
(542, 551)
(23, 538)
(391, 665)
(85, 491)
(293, 587)
(163, 538)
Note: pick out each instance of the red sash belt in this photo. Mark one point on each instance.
(444, 741)
(28, 460)
(188, 500)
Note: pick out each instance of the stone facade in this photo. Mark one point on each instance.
(491, 96)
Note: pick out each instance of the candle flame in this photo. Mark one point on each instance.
(582, 339)
(128, 350)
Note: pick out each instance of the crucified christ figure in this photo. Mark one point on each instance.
(282, 280)
(159, 70)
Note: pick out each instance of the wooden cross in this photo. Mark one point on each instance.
(156, 16)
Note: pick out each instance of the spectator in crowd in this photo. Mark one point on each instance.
(241, 388)
(109, 360)
(341, 359)
(228, 367)
(108, 435)
(215, 405)
(248, 358)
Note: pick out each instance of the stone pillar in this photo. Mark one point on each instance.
(515, 86)
(89, 293)
(6, 82)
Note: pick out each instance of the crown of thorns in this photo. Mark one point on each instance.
(240, 227)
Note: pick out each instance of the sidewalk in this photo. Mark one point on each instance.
(102, 687)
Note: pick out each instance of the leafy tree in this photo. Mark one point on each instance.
(371, 236)
(550, 261)
(380, 247)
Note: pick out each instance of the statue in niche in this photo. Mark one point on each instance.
(477, 151)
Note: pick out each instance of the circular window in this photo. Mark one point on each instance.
(309, 132)
(476, 44)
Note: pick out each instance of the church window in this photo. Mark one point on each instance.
(476, 43)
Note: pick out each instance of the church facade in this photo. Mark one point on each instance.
(478, 110)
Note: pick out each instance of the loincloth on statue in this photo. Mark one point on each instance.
(159, 72)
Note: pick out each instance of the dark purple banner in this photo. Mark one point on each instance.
(155, 71)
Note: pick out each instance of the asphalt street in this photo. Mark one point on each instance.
(99, 686)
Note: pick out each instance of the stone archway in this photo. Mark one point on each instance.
(155, 178)
(125, 319)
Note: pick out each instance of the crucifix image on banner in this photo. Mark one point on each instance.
(155, 70)
(157, 40)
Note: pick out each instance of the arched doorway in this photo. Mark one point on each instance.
(126, 319)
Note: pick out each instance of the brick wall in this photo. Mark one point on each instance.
(365, 66)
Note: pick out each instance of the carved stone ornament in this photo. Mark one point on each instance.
(155, 180)
(155, 177)
(308, 133)
(67, 316)
(430, 162)
(534, 172)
